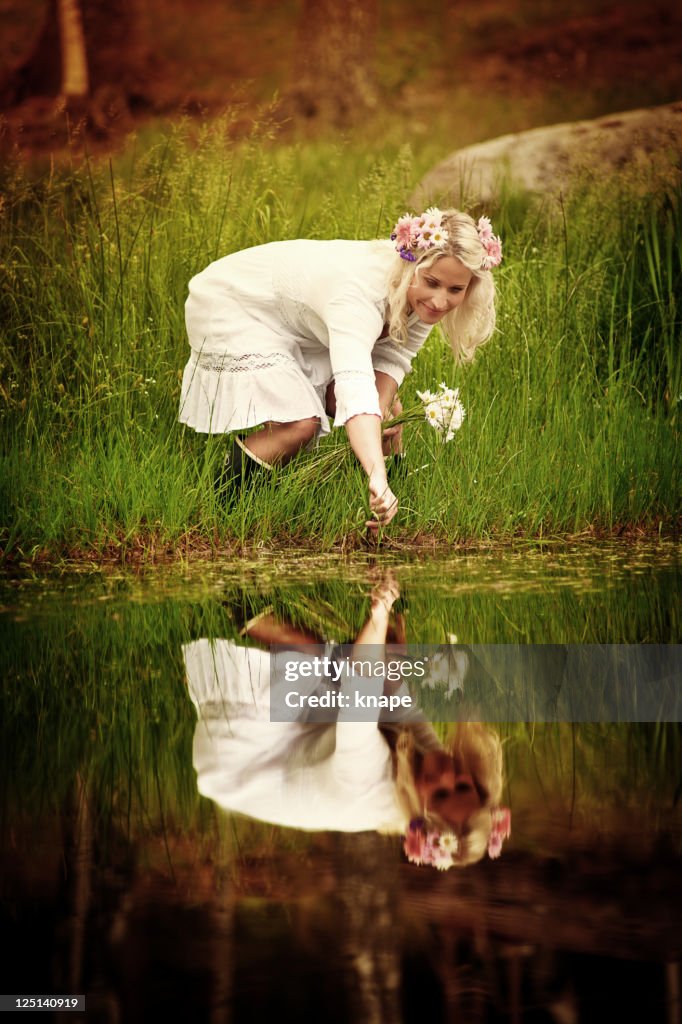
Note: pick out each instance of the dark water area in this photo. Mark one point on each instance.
(167, 851)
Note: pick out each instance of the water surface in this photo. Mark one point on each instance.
(120, 881)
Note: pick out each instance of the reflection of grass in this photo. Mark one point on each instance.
(571, 409)
(582, 784)
(104, 698)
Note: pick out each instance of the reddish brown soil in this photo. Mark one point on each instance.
(627, 56)
(633, 47)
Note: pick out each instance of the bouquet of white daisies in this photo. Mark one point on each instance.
(442, 409)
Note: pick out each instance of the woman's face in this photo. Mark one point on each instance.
(439, 289)
(445, 791)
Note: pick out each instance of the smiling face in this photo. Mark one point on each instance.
(446, 791)
(438, 289)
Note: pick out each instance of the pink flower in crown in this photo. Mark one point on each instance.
(493, 256)
(404, 232)
(490, 242)
(484, 228)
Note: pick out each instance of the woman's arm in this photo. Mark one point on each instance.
(387, 389)
(360, 751)
(370, 443)
(390, 405)
(364, 434)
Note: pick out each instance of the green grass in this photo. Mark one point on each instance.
(572, 408)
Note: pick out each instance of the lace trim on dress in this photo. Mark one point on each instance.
(223, 710)
(244, 363)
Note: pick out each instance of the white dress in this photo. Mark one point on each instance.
(270, 327)
(336, 776)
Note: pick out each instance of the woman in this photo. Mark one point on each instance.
(286, 334)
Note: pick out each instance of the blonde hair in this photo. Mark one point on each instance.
(477, 751)
(472, 323)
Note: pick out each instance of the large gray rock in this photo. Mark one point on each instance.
(543, 160)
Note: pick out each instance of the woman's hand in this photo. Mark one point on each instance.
(382, 501)
(364, 434)
(392, 437)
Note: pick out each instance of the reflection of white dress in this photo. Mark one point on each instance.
(335, 776)
(271, 326)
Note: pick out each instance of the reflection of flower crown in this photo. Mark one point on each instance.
(501, 830)
(439, 849)
(428, 846)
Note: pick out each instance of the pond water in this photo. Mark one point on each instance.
(167, 850)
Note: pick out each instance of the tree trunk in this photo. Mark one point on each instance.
(88, 53)
(75, 79)
(335, 59)
(368, 944)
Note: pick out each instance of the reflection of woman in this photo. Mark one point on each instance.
(342, 775)
(452, 793)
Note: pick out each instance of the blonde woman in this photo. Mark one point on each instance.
(287, 334)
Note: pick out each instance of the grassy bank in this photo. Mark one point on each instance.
(572, 408)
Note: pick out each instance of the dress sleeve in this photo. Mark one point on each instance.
(354, 324)
(396, 360)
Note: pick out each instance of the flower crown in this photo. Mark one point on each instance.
(413, 235)
(421, 233)
(439, 849)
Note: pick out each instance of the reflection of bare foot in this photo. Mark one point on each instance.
(266, 613)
